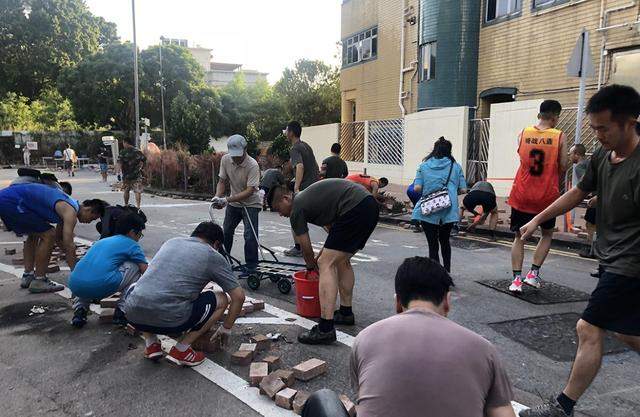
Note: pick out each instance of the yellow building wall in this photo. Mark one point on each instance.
(374, 84)
(531, 52)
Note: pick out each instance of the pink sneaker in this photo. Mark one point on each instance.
(516, 285)
(533, 279)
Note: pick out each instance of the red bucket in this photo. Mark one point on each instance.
(307, 294)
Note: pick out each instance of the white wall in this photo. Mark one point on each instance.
(320, 138)
(507, 121)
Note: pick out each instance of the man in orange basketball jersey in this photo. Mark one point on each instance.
(543, 161)
(372, 184)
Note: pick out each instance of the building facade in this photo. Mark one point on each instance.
(403, 56)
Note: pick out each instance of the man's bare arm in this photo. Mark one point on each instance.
(563, 156)
(220, 189)
(307, 251)
(299, 175)
(69, 219)
(243, 195)
(566, 202)
(237, 300)
(503, 411)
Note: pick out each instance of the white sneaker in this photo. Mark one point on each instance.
(516, 285)
(533, 279)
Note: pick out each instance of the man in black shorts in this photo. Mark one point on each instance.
(612, 175)
(481, 194)
(350, 214)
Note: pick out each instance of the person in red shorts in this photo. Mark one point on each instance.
(543, 161)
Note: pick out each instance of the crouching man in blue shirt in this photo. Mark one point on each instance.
(111, 265)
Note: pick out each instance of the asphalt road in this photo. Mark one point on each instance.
(48, 368)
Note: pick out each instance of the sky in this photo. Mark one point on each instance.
(265, 35)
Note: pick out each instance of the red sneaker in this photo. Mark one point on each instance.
(153, 352)
(189, 357)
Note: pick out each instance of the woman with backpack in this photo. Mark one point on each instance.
(439, 179)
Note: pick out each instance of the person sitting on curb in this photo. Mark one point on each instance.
(111, 264)
(30, 209)
(458, 364)
(350, 215)
(169, 299)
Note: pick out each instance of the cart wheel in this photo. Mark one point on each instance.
(274, 278)
(284, 285)
(253, 281)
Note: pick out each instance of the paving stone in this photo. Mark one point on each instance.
(299, 401)
(258, 305)
(247, 308)
(131, 330)
(273, 361)
(262, 342)
(310, 369)
(549, 293)
(18, 261)
(285, 398)
(251, 347)
(287, 376)
(52, 269)
(110, 302)
(242, 357)
(271, 385)
(106, 315)
(348, 405)
(13, 252)
(257, 372)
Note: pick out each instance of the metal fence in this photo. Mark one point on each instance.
(478, 150)
(567, 124)
(352, 141)
(386, 142)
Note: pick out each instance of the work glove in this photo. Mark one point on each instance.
(221, 334)
(219, 202)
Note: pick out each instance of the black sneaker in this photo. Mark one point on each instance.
(79, 318)
(550, 408)
(345, 320)
(119, 318)
(316, 337)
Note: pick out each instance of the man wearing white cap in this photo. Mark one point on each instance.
(245, 202)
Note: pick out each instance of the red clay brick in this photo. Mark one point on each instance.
(131, 330)
(349, 405)
(257, 372)
(258, 305)
(205, 344)
(287, 376)
(262, 342)
(251, 347)
(299, 401)
(18, 261)
(309, 369)
(242, 357)
(52, 269)
(285, 398)
(247, 308)
(273, 361)
(109, 302)
(271, 385)
(106, 315)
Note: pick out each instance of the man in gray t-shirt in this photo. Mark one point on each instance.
(350, 214)
(419, 363)
(481, 194)
(169, 298)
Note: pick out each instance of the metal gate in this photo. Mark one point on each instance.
(386, 142)
(352, 141)
(478, 150)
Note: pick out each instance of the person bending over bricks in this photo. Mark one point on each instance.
(30, 209)
(111, 264)
(350, 214)
(434, 366)
(169, 298)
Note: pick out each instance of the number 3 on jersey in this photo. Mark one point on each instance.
(536, 157)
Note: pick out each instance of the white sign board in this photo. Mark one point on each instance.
(6, 133)
(581, 64)
(32, 146)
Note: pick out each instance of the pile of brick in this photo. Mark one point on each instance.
(56, 257)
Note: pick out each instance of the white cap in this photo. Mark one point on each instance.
(236, 145)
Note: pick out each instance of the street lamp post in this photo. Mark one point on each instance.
(164, 134)
(135, 75)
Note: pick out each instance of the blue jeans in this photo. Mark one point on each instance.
(232, 217)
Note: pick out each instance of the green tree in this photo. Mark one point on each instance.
(15, 113)
(52, 112)
(311, 92)
(280, 147)
(193, 120)
(253, 138)
(39, 38)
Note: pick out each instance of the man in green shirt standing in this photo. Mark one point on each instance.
(350, 214)
(613, 174)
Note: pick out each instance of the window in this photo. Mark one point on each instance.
(428, 61)
(543, 3)
(359, 47)
(503, 8)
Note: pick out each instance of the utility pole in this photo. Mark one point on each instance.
(135, 75)
(164, 130)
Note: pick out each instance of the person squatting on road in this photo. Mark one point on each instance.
(613, 174)
(481, 194)
(542, 150)
(270, 178)
(372, 184)
(350, 214)
(438, 171)
(31, 209)
(244, 203)
(112, 264)
(171, 297)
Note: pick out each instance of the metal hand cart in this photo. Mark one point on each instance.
(278, 272)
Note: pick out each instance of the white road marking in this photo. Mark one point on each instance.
(173, 205)
(11, 243)
(409, 247)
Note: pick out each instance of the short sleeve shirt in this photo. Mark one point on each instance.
(432, 358)
(301, 153)
(132, 161)
(335, 167)
(242, 176)
(271, 178)
(164, 295)
(323, 202)
(618, 210)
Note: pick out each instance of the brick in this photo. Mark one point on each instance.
(110, 302)
(242, 357)
(52, 269)
(131, 330)
(273, 362)
(285, 398)
(299, 401)
(287, 376)
(271, 385)
(258, 305)
(106, 315)
(262, 342)
(348, 405)
(247, 308)
(257, 372)
(251, 347)
(309, 369)
(205, 344)
(13, 252)
(18, 261)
